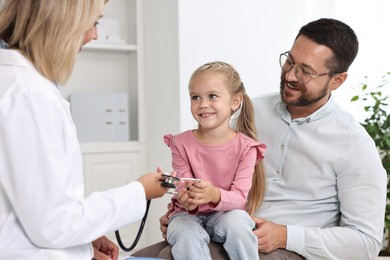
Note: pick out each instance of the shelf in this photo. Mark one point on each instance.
(110, 47)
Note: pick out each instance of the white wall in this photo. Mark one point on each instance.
(162, 95)
(251, 34)
(370, 20)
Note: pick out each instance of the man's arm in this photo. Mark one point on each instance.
(361, 186)
(164, 221)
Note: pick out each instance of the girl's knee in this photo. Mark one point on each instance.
(185, 227)
(238, 218)
(236, 223)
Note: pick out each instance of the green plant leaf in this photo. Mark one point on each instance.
(377, 124)
(354, 98)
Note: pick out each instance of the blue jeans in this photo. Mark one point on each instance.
(190, 235)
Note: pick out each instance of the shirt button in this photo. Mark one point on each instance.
(282, 147)
(277, 171)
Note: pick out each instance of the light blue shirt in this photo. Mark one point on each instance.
(3, 44)
(325, 181)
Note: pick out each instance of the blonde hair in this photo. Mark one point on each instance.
(49, 33)
(245, 123)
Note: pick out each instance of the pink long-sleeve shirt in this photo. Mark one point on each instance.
(229, 167)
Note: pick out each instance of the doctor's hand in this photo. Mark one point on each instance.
(105, 249)
(270, 236)
(152, 184)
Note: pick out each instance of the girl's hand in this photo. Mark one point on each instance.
(202, 192)
(183, 197)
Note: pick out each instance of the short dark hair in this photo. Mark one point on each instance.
(337, 36)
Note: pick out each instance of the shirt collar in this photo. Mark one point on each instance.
(320, 113)
(3, 44)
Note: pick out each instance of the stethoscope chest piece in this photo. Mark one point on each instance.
(169, 181)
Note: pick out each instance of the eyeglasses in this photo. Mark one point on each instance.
(303, 74)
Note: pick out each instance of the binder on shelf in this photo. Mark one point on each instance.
(101, 117)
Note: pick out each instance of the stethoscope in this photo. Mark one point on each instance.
(167, 181)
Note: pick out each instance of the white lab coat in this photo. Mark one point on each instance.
(43, 212)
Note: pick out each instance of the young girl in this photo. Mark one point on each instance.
(225, 161)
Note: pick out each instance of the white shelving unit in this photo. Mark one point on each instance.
(102, 67)
(110, 47)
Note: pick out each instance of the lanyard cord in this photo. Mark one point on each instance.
(141, 228)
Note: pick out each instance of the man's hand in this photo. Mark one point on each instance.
(270, 236)
(105, 249)
(164, 220)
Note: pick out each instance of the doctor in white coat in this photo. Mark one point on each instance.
(43, 211)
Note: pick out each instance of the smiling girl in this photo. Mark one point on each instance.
(226, 160)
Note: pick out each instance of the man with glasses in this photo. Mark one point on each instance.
(326, 187)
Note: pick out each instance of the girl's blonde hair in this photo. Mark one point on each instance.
(245, 124)
(49, 33)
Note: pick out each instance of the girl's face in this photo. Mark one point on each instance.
(92, 33)
(211, 102)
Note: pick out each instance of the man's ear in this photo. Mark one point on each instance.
(337, 80)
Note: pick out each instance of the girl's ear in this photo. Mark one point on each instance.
(237, 100)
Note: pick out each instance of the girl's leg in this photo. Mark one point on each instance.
(234, 229)
(188, 238)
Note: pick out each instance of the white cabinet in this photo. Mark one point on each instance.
(112, 165)
(103, 67)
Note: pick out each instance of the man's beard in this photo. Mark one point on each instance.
(306, 98)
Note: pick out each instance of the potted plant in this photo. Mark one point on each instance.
(377, 124)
